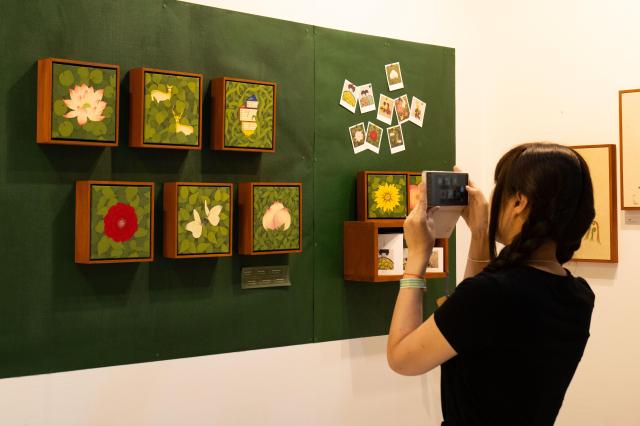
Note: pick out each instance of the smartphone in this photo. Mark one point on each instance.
(447, 188)
(448, 191)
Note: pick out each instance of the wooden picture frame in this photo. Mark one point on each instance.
(600, 244)
(237, 114)
(90, 115)
(155, 105)
(114, 222)
(361, 251)
(629, 116)
(266, 209)
(206, 233)
(413, 181)
(373, 187)
(436, 261)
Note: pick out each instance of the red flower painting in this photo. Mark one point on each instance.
(120, 222)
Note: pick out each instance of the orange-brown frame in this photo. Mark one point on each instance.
(245, 217)
(83, 221)
(360, 246)
(613, 212)
(45, 103)
(409, 174)
(620, 93)
(170, 223)
(218, 92)
(362, 193)
(136, 109)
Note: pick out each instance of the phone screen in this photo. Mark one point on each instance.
(447, 189)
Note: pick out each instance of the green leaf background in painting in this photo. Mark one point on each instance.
(263, 198)
(214, 239)
(373, 182)
(236, 94)
(103, 197)
(65, 78)
(159, 118)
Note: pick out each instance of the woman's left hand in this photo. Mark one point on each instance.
(419, 233)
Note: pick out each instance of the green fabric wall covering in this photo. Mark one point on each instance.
(58, 316)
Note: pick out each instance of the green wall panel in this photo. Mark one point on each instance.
(363, 309)
(57, 316)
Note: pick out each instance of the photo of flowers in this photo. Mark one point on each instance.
(244, 115)
(386, 196)
(77, 103)
(270, 217)
(203, 215)
(114, 221)
(165, 109)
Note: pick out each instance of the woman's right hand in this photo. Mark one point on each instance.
(476, 214)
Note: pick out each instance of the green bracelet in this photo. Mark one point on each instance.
(413, 283)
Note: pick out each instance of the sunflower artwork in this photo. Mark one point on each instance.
(114, 221)
(386, 196)
(82, 102)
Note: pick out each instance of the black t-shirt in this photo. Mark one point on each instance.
(519, 334)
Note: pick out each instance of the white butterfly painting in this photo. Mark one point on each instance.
(196, 225)
(213, 215)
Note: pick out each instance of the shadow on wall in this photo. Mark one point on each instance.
(84, 287)
(29, 162)
(604, 273)
(371, 377)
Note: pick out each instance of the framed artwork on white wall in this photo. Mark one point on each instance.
(630, 149)
(600, 243)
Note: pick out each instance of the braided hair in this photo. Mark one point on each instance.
(556, 181)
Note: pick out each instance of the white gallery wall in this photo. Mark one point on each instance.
(544, 70)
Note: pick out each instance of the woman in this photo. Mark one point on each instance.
(513, 332)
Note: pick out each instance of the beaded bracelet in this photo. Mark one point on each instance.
(413, 283)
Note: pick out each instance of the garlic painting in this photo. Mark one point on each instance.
(274, 215)
(277, 217)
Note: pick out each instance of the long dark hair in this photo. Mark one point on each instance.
(556, 181)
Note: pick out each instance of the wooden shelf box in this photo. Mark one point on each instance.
(270, 218)
(243, 115)
(361, 251)
(114, 222)
(165, 109)
(78, 103)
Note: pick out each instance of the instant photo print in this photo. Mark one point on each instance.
(418, 109)
(358, 136)
(366, 100)
(386, 105)
(396, 140)
(447, 190)
(349, 96)
(394, 76)
(374, 136)
(402, 109)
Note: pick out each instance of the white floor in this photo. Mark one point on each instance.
(335, 383)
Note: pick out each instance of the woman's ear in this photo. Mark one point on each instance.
(520, 203)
